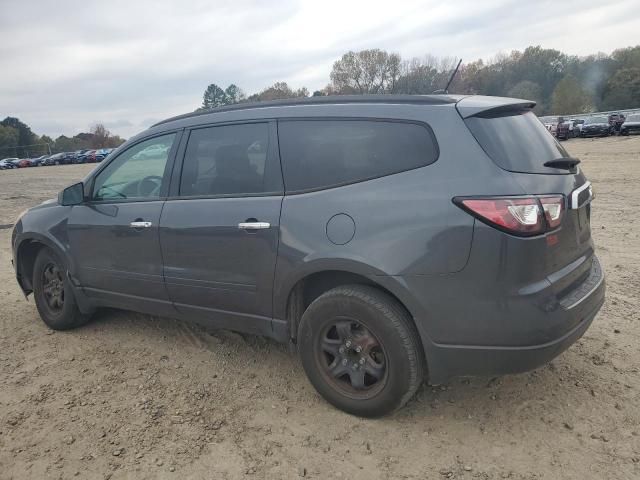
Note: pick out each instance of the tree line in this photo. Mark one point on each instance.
(559, 83)
(17, 140)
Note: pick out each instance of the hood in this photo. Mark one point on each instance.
(52, 202)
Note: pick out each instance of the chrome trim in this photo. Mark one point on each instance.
(140, 224)
(576, 193)
(253, 225)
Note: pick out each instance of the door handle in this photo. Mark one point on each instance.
(140, 224)
(253, 225)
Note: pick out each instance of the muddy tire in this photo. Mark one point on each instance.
(53, 293)
(361, 351)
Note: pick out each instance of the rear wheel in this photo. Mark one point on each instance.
(360, 350)
(53, 294)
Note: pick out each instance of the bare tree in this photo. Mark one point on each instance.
(367, 71)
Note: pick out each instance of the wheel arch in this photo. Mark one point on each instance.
(309, 285)
(27, 250)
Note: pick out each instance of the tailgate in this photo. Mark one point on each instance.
(568, 252)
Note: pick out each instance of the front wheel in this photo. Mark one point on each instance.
(360, 350)
(53, 294)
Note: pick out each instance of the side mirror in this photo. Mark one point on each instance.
(73, 195)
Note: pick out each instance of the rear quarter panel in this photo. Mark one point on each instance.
(405, 224)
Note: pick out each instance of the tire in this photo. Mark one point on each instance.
(53, 293)
(357, 334)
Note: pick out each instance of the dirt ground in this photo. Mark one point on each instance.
(133, 396)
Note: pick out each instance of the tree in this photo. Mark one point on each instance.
(8, 141)
(367, 71)
(569, 97)
(623, 90)
(233, 94)
(528, 90)
(278, 91)
(25, 135)
(213, 97)
(99, 136)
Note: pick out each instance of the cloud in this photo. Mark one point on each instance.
(68, 64)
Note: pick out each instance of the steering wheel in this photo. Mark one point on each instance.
(149, 186)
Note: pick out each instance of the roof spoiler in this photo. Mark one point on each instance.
(476, 105)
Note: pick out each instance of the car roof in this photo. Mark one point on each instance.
(467, 105)
(323, 100)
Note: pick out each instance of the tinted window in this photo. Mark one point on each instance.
(517, 142)
(229, 160)
(326, 153)
(137, 173)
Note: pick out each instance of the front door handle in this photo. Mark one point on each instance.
(253, 225)
(140, 224)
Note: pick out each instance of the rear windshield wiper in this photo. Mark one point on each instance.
(566, 163)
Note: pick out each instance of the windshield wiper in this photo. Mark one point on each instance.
(566, 163)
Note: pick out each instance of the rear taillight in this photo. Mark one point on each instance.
(553, 207)
(524, 216)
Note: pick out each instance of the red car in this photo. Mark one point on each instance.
(25, 162)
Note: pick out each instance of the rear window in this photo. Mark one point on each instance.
(327, 153)
(517, 142)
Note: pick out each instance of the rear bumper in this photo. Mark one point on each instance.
(576, 308)
(452, 360)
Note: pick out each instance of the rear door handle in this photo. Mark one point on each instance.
(140, 224)
(253, 225)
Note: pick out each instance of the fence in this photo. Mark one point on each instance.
(626, 113)
(26, 151)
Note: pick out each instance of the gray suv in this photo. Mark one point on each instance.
(388, 238)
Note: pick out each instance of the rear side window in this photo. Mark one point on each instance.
(517, 141)
(326, 153)
(231, 160)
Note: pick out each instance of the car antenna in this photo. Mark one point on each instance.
(446, 89)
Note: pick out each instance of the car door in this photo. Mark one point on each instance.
(219, 230)
(114, 234)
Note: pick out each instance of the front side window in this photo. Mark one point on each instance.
(327, 153)
(230, 160)
(138, 173)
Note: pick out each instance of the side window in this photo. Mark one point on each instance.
(137, 173)
(229, 160)
(325, 153)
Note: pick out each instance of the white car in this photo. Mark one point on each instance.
(7, 163)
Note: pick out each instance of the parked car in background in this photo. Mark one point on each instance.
(38, 161)
(8, 163)
(596, 127)
(281, 223)
(577, 126)
(568, 129)
(551, 124)
(25, 163)
(80, 156)
(631, 125)
(564, 130)
(54, 159)
(104, 153)
(616, 120)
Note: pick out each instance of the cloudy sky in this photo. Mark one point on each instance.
(69, 64)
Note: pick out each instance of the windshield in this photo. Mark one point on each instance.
(596, 120)
(517, 141)
(633, 118)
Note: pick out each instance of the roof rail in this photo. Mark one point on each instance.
(320, 100)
